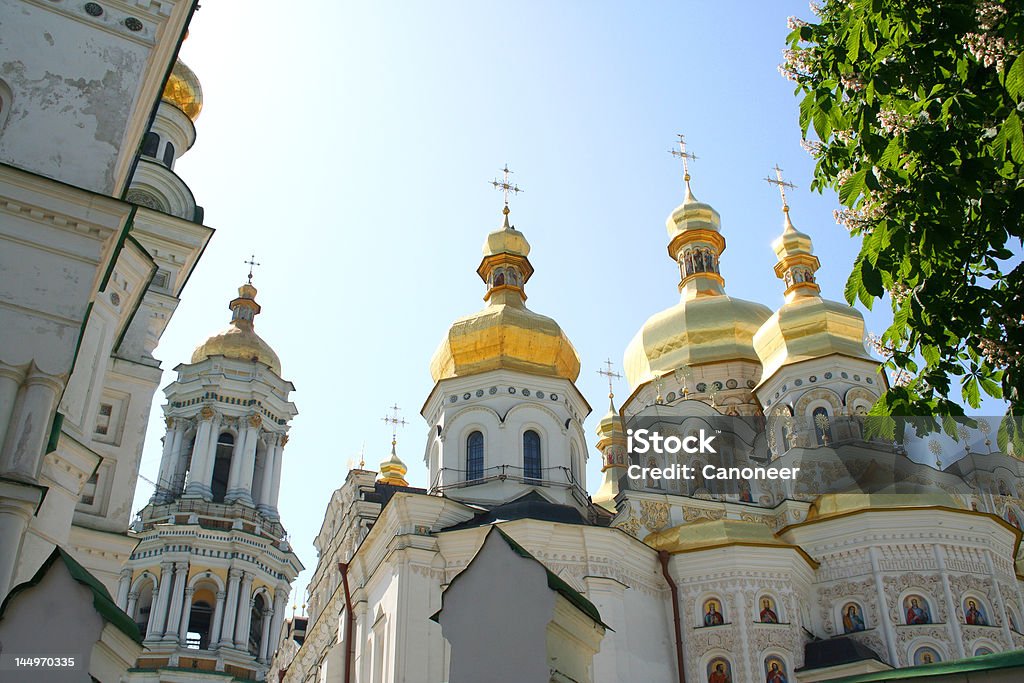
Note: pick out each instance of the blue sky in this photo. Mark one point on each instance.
(350, 146)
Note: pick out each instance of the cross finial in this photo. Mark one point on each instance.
(252, 263)
(782, 185)
(684, 155)
(505, 186)
(395, 423)
(362, 456)
(610, 374)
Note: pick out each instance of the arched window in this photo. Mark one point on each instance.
(199, 617)
(169, 155)
(259, 613)
(475, 456)
(222, 466)
(143, 606)
(574, 465)
(531, 456)
(822, 430)
(150, 144)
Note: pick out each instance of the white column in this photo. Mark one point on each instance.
(196, 484)
(124, 584)
(269, 465)
(10, 382)
(211, 455)
(158, 613)
(280, 605)
(244, 613)
(22, 455)
(177, 597)
(230, 609)
(218, 619)
(186, 613)
(954, 623)
(133, 602)
(240, 487)
(275, 488)
(265, 636)
(168, 460)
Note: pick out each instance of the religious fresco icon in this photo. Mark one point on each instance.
(775, 670)
(713, 612)
(974, 612)
(916, 610)
(853, 618)
(768, 613)
(926, 655)
(719, 670)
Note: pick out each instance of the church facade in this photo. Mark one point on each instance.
(696, 579)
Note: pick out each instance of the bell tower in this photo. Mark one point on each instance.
(209, 581)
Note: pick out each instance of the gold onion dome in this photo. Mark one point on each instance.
(393, 470)
(707, 325)
(183, 90)
(806, 326)
(239, 341)
(505, 334)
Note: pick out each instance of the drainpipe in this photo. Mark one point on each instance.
(350, 623)
(663, 558)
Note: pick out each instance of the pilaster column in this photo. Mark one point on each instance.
(245, 604)
(196, 484)
(883, 603)
(1000, 598)
(29, 428)
(124, 584)
(265, 636)
(177, 597)
(954, 623)
(186, 613)
(10, 381)
(218, 620)
(269, 465)
(280, 605)
(230, 609)
(18, 503)
(133, 602)
(240, 488)
(153, 618)
(161, 596)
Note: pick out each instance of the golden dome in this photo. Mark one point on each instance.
(806, 326)
(705, 329)
(392, 470)
(809, 327)
(183, 90)
(239, 341)
(692, 215)
(505, 335)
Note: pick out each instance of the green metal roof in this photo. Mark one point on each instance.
(1002, 660)
(101, 600)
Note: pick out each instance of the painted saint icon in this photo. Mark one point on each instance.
(926, 655)
(974, 613)
(775, 670)
(916, 609)
(768, 613)
(713, 613)
(719, 671)
(853, 619)
(745, 495)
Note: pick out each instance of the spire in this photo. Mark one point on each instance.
(797, 263)
(610, 374)
(612, 445)
(686, 157)
(393, 470)
(505, 267)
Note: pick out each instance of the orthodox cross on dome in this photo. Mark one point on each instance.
(611, 375)
(252, 263)
(782, 185)
(505, 186)
(395, 423)
(686, 157)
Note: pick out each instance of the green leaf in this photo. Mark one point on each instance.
(1014, 137)
(1015, 79)
(970, 392)
(852, 188)
(991, 387)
